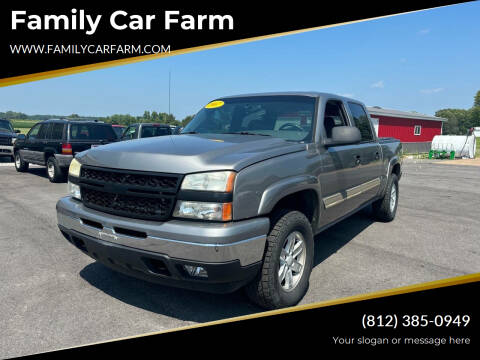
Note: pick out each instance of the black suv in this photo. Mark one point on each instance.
(55, 142)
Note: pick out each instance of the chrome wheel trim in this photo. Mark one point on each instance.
(51, 170)
(292, 261)
(18, 161)
(393, 197)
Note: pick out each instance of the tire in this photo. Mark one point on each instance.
(268, 290)
(54, 172)
(386, 208)
(20, 165)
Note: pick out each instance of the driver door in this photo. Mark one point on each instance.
(339, 166)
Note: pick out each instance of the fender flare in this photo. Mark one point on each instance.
(278, 190)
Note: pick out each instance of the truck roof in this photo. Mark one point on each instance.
(290, 93)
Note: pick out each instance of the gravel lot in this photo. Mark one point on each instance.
(53, 296)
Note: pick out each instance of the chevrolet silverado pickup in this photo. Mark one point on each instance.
(236, 199)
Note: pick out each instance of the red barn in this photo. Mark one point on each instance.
(414, 130)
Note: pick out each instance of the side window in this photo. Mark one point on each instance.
(33, 133)
(57, 132)
(42, 133)
(147, 131)
(417, 130)
(361, 121)
(334, 116)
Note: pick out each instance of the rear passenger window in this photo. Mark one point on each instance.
(361, 121)
(57, 132)
(42, 133)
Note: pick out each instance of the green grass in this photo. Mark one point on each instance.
(23, 124)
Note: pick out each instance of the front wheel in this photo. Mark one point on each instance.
(20, 165)
(386, 208)
(283, 279)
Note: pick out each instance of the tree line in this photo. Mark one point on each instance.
(120, 119)
(460, 120)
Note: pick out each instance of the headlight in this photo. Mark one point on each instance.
(75, 167)
(210, 181)
(203, 210)
(74, 190)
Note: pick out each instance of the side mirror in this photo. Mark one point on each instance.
(17, 131)
(344, 135)
(21, 137)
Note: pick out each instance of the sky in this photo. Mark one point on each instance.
(422, 61)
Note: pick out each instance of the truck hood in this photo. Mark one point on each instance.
(4, 133)
(184, 154)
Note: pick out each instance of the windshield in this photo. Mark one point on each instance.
(285, 117)
(118, 130)
(5, 126)
(91, 132)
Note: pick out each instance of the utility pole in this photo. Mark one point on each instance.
(169, 88)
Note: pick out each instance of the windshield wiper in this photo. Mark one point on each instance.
(188, 132)
(245, 133)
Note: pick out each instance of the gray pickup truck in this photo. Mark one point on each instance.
(236, 199)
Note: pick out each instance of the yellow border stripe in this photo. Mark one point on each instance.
(465, 279)
(15, 80)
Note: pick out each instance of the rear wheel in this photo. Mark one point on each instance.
(385, 209)
(54, 172)
(283, 279)
(20, 165)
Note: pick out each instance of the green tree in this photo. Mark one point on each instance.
(187, 119)
(476, 101)
(460, 120)
(457, 120)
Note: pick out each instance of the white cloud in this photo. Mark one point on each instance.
(424, 31)
(431, 91)
(379, 84)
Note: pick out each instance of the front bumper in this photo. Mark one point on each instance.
(6, 150)
(231, 253)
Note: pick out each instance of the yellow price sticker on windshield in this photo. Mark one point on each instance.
(215, 104)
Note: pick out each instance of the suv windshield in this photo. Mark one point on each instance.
(92, 132)
(5, 126)
(284, 116)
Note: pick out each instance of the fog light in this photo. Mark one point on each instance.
(195, 271)
(74, 190)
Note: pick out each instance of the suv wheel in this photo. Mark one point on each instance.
(20, 165)
(54, 172)
(386, 208)
(283, 279)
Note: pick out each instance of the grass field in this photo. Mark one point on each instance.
(23, 124)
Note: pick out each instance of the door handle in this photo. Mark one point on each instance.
(357, 160)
